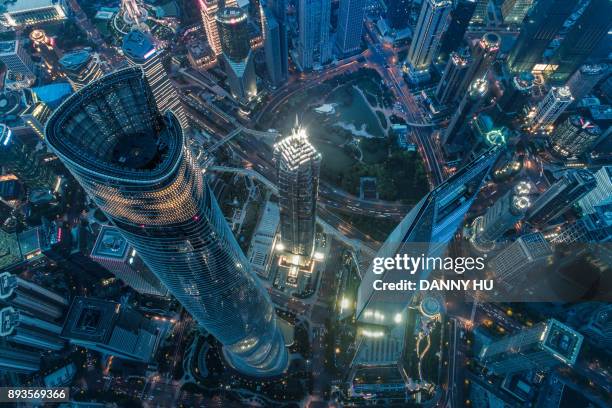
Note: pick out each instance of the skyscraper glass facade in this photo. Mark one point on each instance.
(297, 165)
(134, 165)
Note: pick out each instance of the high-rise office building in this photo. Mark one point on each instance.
(112, 329)
(22, 329)
(427, 229)
(275, 48)
(20, 14)
(81, 67)
(459, 21)
(563, 194)
(35, 115)
(425, 43)
(278, 9)
(398, 13)
(141, 51)
(16, 58)
(598, 330)
(479, 17)
(582, 82)
(543, 25)
(25, 160)
(297, 169)
(113, 252)
(484, 52)
(515, 97)
(502, 216)
(574, 136)
(134, 164)
(514, 11)
(237, 56)
(350, 26)
(595, 227)
(31, 298)
(581, 39)
(544, 115)
(542, 347)
(449, 88)
(314, 47)
(209, 9)
(601, 195)
(469, 104)
(481, 56)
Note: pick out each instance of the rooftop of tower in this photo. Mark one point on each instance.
(138, 46)
(231, 15)
(563, 341)
(584, 124)
(113, 127)
(296, 149)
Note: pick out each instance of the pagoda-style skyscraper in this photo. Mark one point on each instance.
(297, 166)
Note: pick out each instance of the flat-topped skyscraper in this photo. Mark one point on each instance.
(545, 345)
(297, 169)
(114, 253)
(134, 164)
(81, 67)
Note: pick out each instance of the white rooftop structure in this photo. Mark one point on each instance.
(262, 244)
(23, 13)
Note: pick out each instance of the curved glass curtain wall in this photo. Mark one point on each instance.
(133, 164)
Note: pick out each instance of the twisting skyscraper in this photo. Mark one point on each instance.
(297, 166)
(133, 163)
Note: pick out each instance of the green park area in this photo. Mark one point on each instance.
(348, 120)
